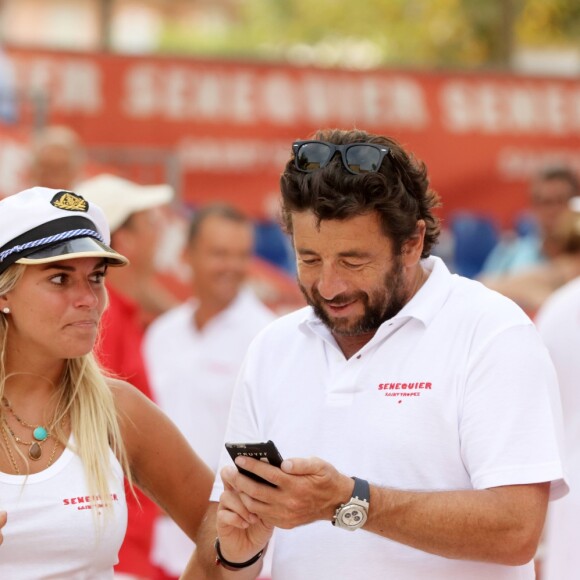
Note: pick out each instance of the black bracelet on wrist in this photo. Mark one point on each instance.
(233, 566)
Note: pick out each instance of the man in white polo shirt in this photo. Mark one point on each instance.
(194, 352)
(558, 322)
(407, 401)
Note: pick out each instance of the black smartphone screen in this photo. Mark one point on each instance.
(263, 451)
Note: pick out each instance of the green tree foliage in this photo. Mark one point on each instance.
(418, 33)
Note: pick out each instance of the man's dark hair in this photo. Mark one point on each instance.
(222, 210)
(399, 192)
(560, 173)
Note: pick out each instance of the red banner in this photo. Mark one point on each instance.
(228, 125)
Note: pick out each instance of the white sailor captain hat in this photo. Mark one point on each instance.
(41, 225)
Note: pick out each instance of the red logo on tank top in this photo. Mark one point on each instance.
(87, 502)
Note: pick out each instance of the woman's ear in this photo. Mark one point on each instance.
(4, 307)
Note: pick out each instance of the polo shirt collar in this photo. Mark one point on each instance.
(427, 302)
(423, 307)
(235, 310)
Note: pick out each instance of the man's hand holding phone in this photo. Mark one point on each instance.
(242, 533)
(300, 491)
(266, 452)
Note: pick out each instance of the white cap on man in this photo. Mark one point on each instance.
(120, 198)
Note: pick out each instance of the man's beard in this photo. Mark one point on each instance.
(380, 305)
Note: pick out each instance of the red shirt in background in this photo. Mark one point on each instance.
(119, 351)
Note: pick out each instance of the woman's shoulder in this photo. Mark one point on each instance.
(127, 397)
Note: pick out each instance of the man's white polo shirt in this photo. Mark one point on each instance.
(455, 392)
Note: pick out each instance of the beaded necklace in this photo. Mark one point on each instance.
(5, 427)
(39, 433)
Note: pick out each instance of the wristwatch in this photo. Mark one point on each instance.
(353, 514)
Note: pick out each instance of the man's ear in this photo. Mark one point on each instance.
(413, 247)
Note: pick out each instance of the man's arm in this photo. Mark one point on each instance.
(501, 525)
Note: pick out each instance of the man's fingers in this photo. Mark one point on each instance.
(261, 468)
(302, 465)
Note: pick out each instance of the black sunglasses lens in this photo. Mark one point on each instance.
(363, 159)
(312, 156)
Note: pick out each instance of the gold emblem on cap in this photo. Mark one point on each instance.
(69, 201)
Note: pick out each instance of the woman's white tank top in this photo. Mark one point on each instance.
(51, 532)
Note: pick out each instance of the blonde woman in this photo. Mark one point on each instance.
(69, 434)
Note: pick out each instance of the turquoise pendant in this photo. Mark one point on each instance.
(40, 433)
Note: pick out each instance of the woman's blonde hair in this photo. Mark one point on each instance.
(86, 399)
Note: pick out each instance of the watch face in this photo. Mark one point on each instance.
(352, 516)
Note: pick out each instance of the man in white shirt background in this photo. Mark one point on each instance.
(194, 351)
(559, 324)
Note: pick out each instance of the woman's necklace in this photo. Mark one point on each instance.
(5, 427)
(34, 447)
(9, 449)
(39, 433)
(11, 456)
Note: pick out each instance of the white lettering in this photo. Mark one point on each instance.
(241, 88)
(517, 164)
(140, 98)
(206, 96)
(279, 99)
(406, 106)
(509, 108)
(175, 94)
(69, 84)
(79, 87)
(217, 155)
(245, 97)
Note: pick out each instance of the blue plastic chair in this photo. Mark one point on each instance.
(273, 245)
(474, 236)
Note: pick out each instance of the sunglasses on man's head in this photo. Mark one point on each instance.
(356, 157)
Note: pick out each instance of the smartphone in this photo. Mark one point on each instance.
(263, 451)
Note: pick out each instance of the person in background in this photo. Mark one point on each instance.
(57, 158)
(558, 322)
(9, 103)
(530, 287)
(132, 213)
(550, 192)
(194, 352)
(417, 411)
(3, 520)
(68, 431)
